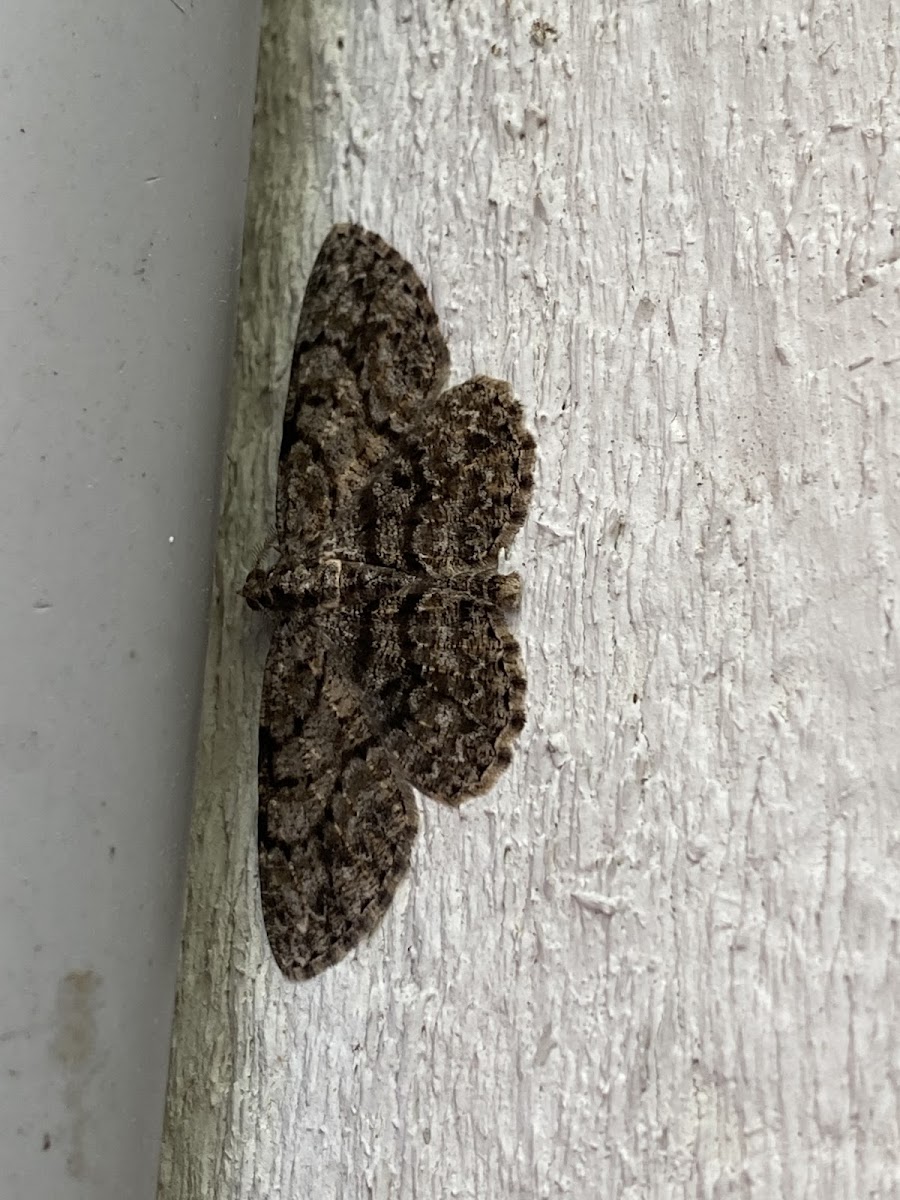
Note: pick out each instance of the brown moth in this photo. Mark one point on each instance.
(391, 665)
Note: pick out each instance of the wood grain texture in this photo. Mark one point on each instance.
(661, 959)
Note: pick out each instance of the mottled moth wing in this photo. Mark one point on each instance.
(440, 679)
(451, 493)
(391, 663)
(368, 356)
(336, 825)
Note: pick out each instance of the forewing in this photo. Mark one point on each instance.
(452, 493)
(441, 682)
(336, 825)
(368, 356)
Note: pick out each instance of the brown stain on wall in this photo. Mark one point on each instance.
(74, 1048)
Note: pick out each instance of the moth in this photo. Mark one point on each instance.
(391, 666)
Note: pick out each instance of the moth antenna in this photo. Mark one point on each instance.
(261, 547)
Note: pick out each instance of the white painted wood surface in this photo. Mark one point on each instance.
(660, 959)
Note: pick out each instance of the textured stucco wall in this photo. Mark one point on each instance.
(659, 959)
